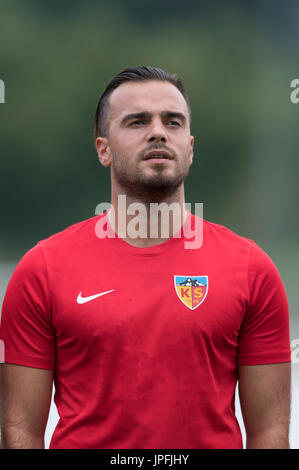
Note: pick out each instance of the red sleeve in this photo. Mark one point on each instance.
(26, 329)
(264, 336)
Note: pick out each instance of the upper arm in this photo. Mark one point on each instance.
(264, 356)
(25, 400)
(264, 392)
(28, 337)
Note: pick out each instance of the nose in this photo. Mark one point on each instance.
(157, 133)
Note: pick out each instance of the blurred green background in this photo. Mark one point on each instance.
(236, 60)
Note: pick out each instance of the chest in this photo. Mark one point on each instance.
(147, 301)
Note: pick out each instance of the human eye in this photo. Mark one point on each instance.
(174, 123)
(137, 122)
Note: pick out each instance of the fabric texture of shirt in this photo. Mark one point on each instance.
(153, 362)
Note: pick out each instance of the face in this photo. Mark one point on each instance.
(149, 146)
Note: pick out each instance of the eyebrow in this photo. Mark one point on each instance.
(148, 115)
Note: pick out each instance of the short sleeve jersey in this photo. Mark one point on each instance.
(145, 342)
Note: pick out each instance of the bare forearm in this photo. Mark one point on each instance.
(268, 440)
(20, 439)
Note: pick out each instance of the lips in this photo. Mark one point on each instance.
(158, 154)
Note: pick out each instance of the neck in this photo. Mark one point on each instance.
(142, 222)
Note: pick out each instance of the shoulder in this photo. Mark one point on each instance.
(230, 244)
(77, 231)
(62, 243)
(221, 234)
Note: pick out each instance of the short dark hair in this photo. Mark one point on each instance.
(132, 74)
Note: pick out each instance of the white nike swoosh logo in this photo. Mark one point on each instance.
(83, 300)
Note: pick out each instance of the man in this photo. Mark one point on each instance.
(145, 339)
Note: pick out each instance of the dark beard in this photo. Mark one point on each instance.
(151, 189)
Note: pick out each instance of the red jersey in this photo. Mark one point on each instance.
(145, 342)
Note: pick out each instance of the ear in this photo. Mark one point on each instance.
(103, 151)
(191, 149)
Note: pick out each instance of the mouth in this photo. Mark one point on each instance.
(158, 155)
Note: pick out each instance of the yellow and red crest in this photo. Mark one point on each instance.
(191, 290)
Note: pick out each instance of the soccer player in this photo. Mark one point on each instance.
(144, 336)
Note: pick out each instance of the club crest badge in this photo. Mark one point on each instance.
(191, 290)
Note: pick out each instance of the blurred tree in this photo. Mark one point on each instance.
(56, 59)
